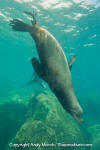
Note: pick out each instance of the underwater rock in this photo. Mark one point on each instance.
(48, 123)
(16, 96)
(13, 108)
(95, 136)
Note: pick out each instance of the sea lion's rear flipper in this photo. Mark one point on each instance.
(38, 68)
(33, 15)
(73, 59)
(19, 25)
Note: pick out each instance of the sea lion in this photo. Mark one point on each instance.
(53, 65)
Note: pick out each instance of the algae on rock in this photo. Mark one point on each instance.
(95, 136)
(47, 122)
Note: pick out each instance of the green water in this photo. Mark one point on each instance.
(76, 25)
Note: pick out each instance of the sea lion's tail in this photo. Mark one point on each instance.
(19, 25)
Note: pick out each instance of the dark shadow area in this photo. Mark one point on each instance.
(12, 116)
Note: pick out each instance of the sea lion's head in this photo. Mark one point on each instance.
(77, 112)
(70, 105)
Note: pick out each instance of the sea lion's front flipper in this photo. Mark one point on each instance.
(36, 79)
(32, 81)
(73, 59)
(38, 68)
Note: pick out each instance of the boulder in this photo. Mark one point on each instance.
(95, 136)
(48, 125)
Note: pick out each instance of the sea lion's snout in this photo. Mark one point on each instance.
(78, 118)
(77, 114)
